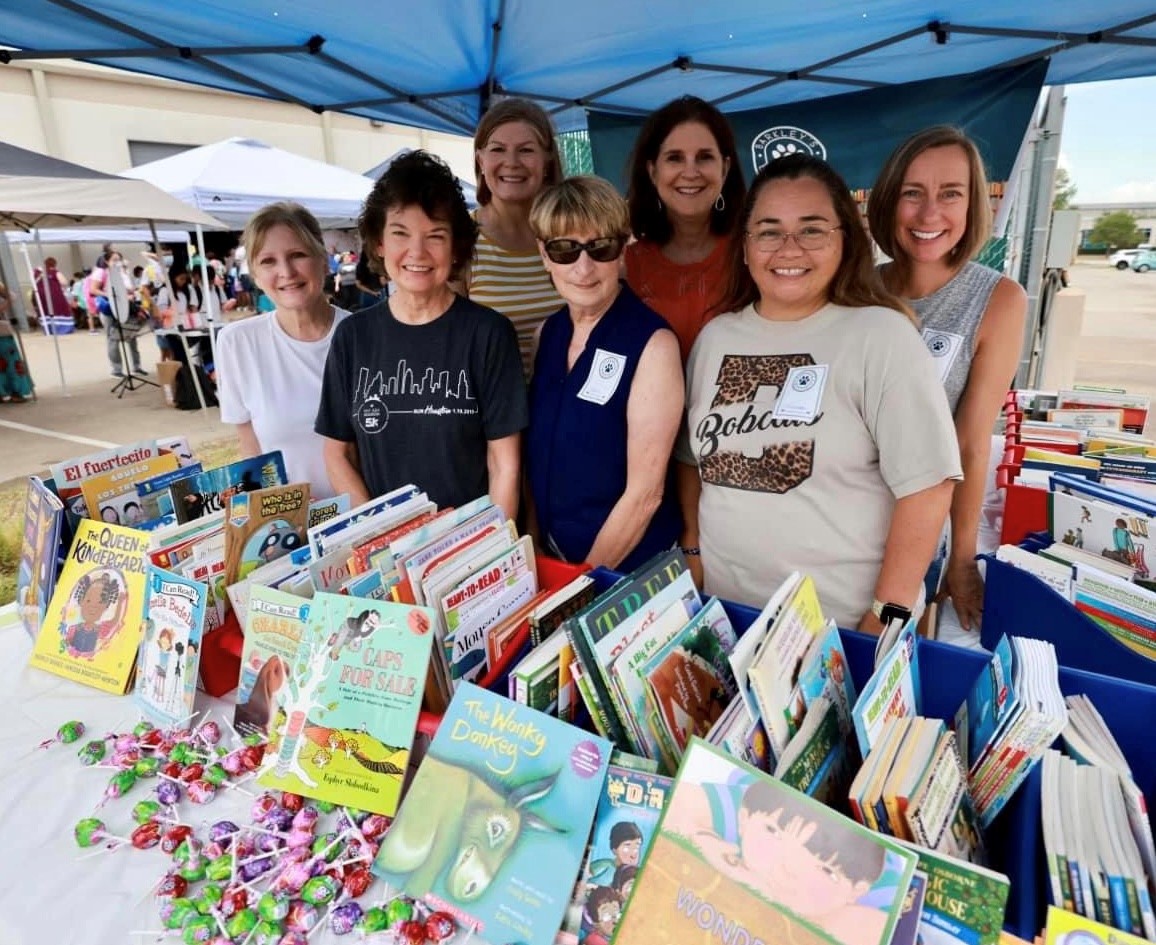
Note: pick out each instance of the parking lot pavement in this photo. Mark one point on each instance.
(1118, 341)
(86, 417)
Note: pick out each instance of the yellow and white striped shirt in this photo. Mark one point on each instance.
(517, 285)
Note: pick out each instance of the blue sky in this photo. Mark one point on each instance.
(1109, 140)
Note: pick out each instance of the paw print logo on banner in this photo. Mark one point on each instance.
(782, 140)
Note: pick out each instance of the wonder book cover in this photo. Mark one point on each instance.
(93, 624)
(739, 851)
(274, 625)
(494, 827)
(39, 544)
(170, 647)
(346, 725)
(262, 526)
(628, 812)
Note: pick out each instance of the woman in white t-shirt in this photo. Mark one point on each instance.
(269, 367)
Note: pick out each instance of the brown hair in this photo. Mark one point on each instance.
(282, 213)
(883, 205)
(648, 219)
(579, 204)
(418, 179)
(504, 112)
(856, 283)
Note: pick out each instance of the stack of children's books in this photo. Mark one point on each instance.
(1097, 833)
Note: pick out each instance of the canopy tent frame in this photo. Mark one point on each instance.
(314, 48)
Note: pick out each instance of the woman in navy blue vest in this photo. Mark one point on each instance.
(607, 393)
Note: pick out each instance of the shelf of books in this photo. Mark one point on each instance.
(685, 765)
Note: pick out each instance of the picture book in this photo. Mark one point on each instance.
(816, 760)
(907, 931)
(39, 550)
(322, 510)
(209, 490)
(891, 692)
(155, 494)
(346, 726)
(262, 526)
(1067, 928)
(628, 812)
(111, 496)
(964, 903)
(92, 627)
(326, 533)
(274, 625)
(736, 849)
(502, 792)
(170, 647)
(71, 474)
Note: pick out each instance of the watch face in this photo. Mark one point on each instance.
(894, 612)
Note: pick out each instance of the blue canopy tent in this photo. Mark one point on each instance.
(437, 64)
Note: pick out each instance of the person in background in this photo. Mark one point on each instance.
(101, 288)
(685, 191)
(372, 288)
(820, 440)
(76, 301)
(929, 211)
(15, 384)
(52, 292)
(348, 294)
(607, 383)
(211, 303)
(515, 156)
(426, 386)
(270, 366)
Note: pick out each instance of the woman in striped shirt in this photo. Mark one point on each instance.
(514, 159)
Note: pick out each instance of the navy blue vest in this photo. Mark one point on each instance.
(576, 448)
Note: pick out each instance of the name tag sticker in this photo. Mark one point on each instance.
(802, 393)
(605, 375)
(944, 347)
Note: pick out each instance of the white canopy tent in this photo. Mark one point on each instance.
(233, 178)
(39, 191)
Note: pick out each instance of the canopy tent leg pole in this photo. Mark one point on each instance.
(40, 308)
(210, 294)
(208, 323)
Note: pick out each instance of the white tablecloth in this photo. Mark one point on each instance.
(48, 894)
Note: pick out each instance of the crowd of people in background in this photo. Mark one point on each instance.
(696, 364)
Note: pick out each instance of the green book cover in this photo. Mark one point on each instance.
(346, 726)
(964, 903)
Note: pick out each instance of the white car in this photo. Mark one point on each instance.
(1122, 258)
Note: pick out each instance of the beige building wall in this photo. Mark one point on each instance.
(88, 114)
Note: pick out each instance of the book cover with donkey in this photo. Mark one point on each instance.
(493, 828)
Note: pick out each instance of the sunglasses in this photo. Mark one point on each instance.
(603, 249)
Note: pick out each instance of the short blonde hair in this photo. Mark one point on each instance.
(283, 213)
(582, 204)
(883, 204)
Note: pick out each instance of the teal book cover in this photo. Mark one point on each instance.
(346, 723)
(169, 654)
(494, 827)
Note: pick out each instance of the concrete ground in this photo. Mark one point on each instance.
(83, 416)
(1118, 348)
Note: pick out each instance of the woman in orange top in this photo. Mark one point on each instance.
(686, 188)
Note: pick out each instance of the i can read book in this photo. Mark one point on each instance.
(345, 727)
(628, 812)
(494, 826)
(738, 851)
(274, 625)
(92, 627)
(170, 647)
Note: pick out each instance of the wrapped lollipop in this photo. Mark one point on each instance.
(66, 734)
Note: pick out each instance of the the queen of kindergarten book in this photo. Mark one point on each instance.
(494, 827)
(344, 714)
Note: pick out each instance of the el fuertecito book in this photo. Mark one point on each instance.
(350, 710)
(494, 827)
(736, 849)
(92, 627)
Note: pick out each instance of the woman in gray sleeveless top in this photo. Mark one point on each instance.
(929, 212)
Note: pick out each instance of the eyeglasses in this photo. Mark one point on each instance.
(809, 237)
(604, 249)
